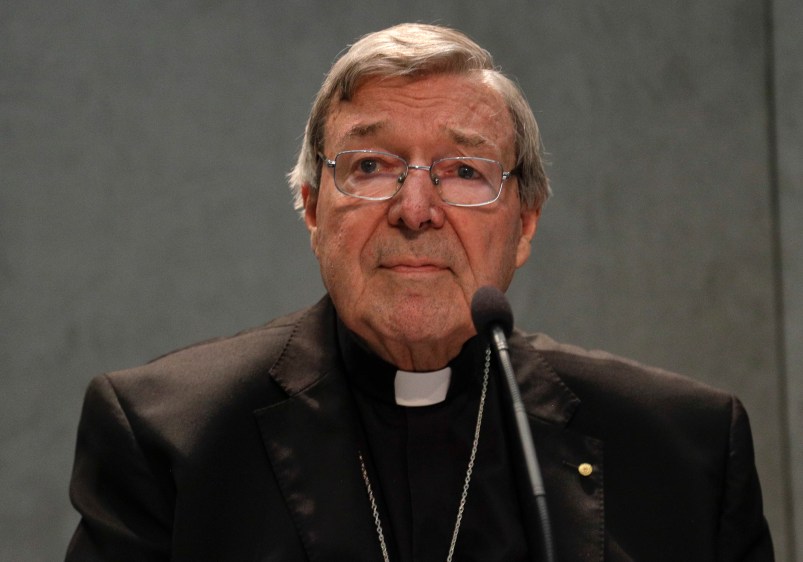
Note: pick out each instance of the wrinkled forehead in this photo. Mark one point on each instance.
(465, 108)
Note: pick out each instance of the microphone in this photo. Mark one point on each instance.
(489, 308)
(493, 318)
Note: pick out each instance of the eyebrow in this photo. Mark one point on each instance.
(361, 130)
(471, 140)
(461, 138)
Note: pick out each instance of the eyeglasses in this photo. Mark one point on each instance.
(463, 181)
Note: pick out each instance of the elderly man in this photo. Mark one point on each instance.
(372, 426)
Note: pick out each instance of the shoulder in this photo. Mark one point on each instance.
(617, 394)
(600, 371)
(212, 375)
(261, 345)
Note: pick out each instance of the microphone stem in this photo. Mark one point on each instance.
(526, 441)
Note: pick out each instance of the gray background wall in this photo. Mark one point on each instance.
(143, 148)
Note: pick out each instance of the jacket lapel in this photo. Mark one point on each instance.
(312, 439)
(574, 494)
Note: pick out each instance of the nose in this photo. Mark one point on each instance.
(417, 205)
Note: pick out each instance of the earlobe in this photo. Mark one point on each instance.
(529, 224)
(310, 198)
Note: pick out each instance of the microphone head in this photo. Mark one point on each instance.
(489, 307)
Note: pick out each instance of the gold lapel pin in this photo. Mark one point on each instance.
(585, 469)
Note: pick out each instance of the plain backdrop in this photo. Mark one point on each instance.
(143, 202)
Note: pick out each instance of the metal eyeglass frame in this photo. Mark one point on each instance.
(331, 163)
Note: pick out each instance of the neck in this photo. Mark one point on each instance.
(423, 355)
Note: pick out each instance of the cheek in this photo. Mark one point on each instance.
(496, 254)
(341, 247)
(330, 251)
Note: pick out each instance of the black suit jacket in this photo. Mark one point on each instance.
(244, 448)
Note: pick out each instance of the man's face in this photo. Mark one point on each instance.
(402, 272)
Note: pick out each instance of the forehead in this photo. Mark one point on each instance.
(444, 108)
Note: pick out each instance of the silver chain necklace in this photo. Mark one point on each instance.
(469, 471)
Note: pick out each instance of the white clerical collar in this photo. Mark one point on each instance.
(422, 388)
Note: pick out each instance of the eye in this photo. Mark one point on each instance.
(465, 172)
(461, 169)
(367, 165)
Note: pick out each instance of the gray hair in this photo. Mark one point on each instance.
(418, 50)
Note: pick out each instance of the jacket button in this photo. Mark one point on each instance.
(585, 469)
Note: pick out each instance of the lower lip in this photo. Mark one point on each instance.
(411, 269)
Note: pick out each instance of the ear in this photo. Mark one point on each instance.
(529, 224)
(309, 197)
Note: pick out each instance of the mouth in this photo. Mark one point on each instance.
(414, 266)
(416, 269)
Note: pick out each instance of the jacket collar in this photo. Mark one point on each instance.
(543, 392)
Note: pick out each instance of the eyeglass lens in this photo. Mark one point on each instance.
(378, 175)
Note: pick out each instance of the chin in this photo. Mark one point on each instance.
(427, 324)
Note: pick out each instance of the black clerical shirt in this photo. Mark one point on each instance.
(417, 459)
